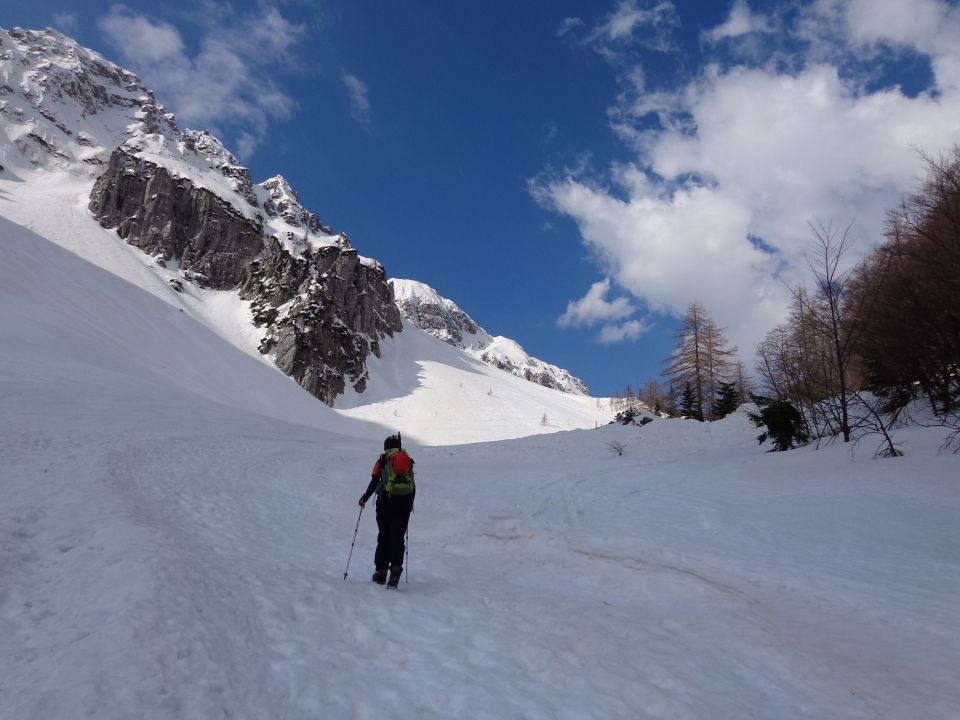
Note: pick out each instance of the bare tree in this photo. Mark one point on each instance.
(912, 282)
(652, 395)
(617, 447)
(812, 358)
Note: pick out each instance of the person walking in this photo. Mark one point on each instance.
(392, 481)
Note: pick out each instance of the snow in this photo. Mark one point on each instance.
(440, 395)
(479, 344)
(177, 517)
(49, 58)
(417, 291)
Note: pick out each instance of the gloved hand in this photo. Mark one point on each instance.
(363, 503)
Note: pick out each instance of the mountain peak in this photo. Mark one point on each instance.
(66, 106)
(282, 204)
(280, 188)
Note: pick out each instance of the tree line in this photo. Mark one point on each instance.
(859, 347)
(703, 379)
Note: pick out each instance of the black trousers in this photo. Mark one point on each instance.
(393, 514)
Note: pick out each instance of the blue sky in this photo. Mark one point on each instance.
(572, 174)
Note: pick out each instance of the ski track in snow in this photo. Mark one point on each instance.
(176, 515)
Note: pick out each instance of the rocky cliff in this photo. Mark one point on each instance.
(323, 307)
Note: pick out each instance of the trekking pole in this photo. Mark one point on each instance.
(407, 561)
(353, 543)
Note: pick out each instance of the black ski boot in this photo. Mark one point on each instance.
(394, 580)
(380, 577)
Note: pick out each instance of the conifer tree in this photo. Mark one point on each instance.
(688, 404)
(701, 360)
(728, 400)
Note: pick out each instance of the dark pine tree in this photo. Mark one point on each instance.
(689, 407)
(728, 400)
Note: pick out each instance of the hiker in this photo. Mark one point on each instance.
(392, 481)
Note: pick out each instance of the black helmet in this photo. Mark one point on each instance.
(391, 443)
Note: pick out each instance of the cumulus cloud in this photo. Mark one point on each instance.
(594, 309)
(730, 166)
(226, 81)
(359, 96)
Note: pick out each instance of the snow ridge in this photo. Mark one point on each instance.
(66, 107)
(425, 308)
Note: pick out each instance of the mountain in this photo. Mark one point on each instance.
(173, 212)
(184, 199)
(320, 308)
(423, 307)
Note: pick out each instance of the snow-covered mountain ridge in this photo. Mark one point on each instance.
(425, 308)
(185, 199)
(320, 310)
(66, 107)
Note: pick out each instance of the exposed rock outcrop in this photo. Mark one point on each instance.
(323, 309)
(171, 219)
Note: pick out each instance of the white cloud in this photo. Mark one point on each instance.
(359, 98)
(756, 152)
(228, 80)
(67, 23)
(569, 25)
(142, 38)
(908, 23)
(593, 307)
(630, 330)
(613, 315)
(741, 21)
(633, 23)
(624, 22)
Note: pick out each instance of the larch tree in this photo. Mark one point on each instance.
(701, 360)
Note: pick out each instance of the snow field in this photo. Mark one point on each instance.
(176, 515)
(197, 571)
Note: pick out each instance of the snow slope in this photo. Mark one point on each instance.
(438, 395)
(176, 519)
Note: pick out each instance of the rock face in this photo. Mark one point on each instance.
(323, 309)
(422, 306)
(171, 219)
(341, 307)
